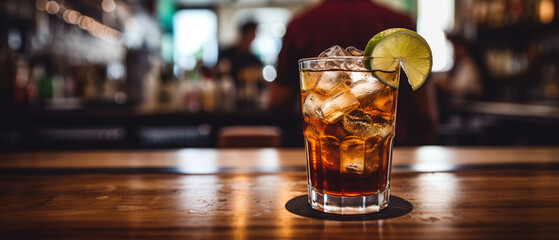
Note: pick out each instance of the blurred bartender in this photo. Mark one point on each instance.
(245, 67)
(239, 56)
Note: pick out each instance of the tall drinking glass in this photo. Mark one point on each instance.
(349, 119)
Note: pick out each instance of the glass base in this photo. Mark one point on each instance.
(348, 205)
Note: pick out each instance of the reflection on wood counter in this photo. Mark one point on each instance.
(519, 201)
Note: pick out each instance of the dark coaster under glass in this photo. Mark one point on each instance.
(396, 208)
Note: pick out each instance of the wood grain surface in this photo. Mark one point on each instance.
(509, 203)
(203, 161)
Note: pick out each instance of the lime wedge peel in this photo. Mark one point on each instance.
(397, 47)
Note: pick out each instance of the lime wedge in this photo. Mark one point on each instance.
(397, 47)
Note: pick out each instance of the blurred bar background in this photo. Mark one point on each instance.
(132, 74)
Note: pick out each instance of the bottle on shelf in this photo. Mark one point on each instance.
(208, 91)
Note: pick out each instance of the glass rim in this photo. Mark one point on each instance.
(307, 63)
(336, 58)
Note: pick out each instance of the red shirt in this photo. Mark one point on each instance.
(333, 22)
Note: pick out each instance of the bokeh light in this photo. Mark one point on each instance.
(108, 5)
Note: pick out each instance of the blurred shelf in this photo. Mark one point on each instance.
(132, 129)
(514, 110)
(517, 31)
(501, 123)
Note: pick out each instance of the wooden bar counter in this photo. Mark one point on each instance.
(456, 193)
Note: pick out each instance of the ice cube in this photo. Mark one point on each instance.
(311, 130)
(330, 149)
(365, 86)
(308, 80)
(381, 130)
(384, 100)
(334, 51)
(354, 51)
(352, 155)
(373, 154)
(373, 94)
(338, 103)
(357, 64)
(357, 123)
(311, 105)
(330, 79)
